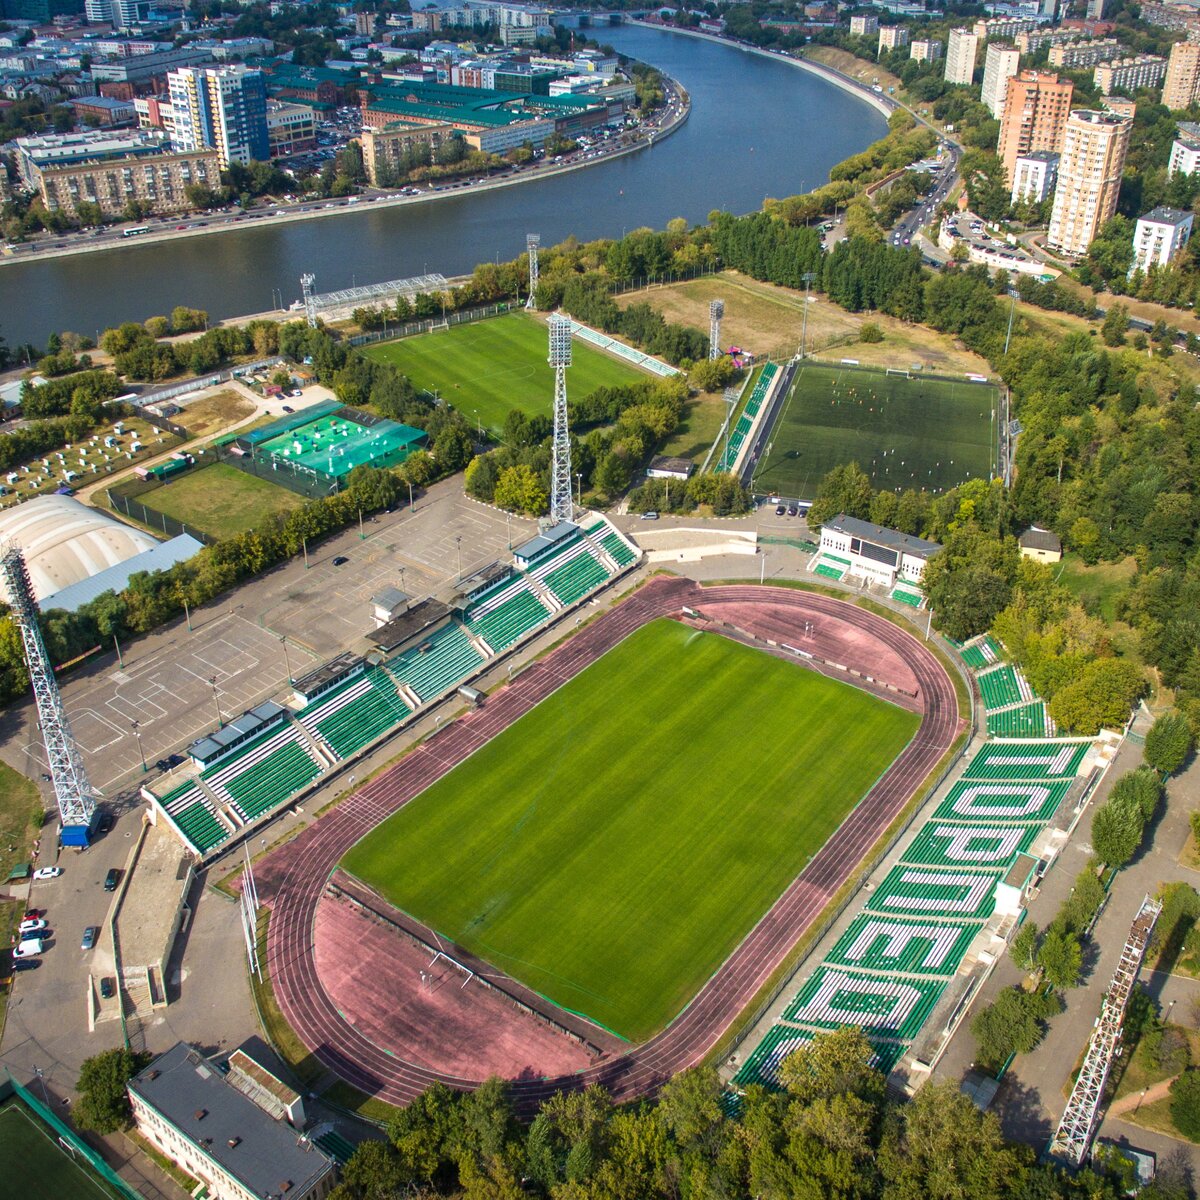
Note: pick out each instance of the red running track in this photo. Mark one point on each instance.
(291, 880)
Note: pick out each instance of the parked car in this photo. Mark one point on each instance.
(106, 988)
(780, 509)
(287, 408)
(340, 560)
(35, 925)
(28, 948)
(90, 934)
(650, 516)
(111, 879)
(47, 873)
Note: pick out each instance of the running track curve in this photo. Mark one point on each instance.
(291, 880)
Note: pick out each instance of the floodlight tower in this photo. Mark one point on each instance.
(716, 310)
(561, 508)
(75, 801)
(310, 299)
(532, 242)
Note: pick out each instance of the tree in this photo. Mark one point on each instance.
(1116, 322)
(373, 1172)
(520, 490)
(1061, 958)
(372, 488)
(1185, 1104)
(1117, 831)
(103, 1099)
(1102, 695)
(833, 1064)
(418, 468)
(870, 332)
(452, 448)
(1012, 1024)
(1169, 743)
(1023, 947)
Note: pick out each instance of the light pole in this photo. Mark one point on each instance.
(286, 659)
(361, 535)
(508, 526)
(42, 1080)
(141, 753)
(458, 548)
(579, 489)
(187, 612)
(216, 703)
(410, 499)
(808, 277)
(120, 660)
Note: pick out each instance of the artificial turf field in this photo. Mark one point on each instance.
(487, 368)
(923, 433)
(612, 847)
(220, 500)
(34, 1167)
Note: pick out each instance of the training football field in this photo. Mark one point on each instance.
(487, 368)
(34, 1167)
(922, 433)
(612, 847)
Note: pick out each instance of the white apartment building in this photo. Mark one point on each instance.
(1185, 150)
(892, 36)
(863, 26)
(960, 56)
(1000, 64)
(1073, 55)
(1129, 74)
(925, 49)
(1034, 176)
(1159, 237)
(1089, 178)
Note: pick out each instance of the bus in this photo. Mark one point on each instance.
(134, 232)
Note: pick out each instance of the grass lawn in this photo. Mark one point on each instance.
(487, 368)
(36, 1168)
(612, 847)
(21, 812)
(221, 500)
(905, 433)
(1100, 588)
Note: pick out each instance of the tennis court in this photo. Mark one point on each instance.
(929, 433)
(35, 1166)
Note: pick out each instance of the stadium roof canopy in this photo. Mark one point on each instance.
(66, 542)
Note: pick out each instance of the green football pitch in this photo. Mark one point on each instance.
(34, 1167)
(922, 433)
(612, 847)
(487, 368)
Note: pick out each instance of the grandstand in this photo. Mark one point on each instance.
(1021, 721)
(999, 687)
(1027, 761)
(998, 800)
(941, 844)
(621, 350)
(907, 595)
(929, 891)
(284, 751)
(892, 1008)
(910, 947)
(981, 652)
(741, 431)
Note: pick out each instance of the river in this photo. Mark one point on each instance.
(758, 128)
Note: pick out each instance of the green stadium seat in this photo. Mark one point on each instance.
(999, 687)
(904, 596)
(510, 621)
(823, 568)
(373, 709)
(746, 421)
(448, 659)
(271, 780)
(200, 826)
(907, 947)
(573, 580)
(1037, 761)
(1021, 721)
(973, 656)
(620, 549)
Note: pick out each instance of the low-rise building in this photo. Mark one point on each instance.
(216, 1132)
(882, 556)
(387, 152)
(1159, 237)
(925, 49)
(1040, 544)
(1003, 27)
(103, 111)
(1034, 176)
(1129, 74)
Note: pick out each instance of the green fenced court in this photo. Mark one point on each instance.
(36, 1167)
(612, 847)
(921, 432)
(487, 368)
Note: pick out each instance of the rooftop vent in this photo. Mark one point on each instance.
(234, 1142)
(285, 1187)
(153, 1074)
(200, 1114)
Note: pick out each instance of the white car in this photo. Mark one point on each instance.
(47, 873)
(35, 925)
(29, 948)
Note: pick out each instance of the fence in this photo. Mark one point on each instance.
(67, 1139)
(124, 498)
(286, 474)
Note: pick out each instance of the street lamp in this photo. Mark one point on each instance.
(286, 659)
(579, 489)
(212, 679)
(458, 547)
(141, 753)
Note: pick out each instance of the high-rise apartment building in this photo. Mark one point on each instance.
(864, 26)
(960, 56)
(1159, 238)
(224, 108)
(1036, 106)
(1000, 64)
(1185, 151)
(1182, 84)
(1089, 178)
(892, 36)
(1073, 55)
(925, 49)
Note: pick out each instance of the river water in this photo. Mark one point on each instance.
(758, 128)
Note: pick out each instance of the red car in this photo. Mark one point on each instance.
(31, 914)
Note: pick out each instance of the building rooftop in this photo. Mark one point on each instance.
(918, 547)
(419, 619)
(264, 1155)
(546, 539)
(1040, 539)
(161, 557)
(208, 747)
(1046, 156)
(1162, 215)
(319, 677)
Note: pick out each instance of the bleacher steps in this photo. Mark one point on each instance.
(403, 690)
(214, 802)
(602, 556)
(544, 594)
(479, 643)
(320, 753)
(232, 816)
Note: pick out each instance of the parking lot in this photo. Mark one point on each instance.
(176, 684)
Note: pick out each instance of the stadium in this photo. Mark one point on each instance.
(684, 784)
(326, 442)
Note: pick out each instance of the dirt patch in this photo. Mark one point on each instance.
(211, 414)
(769, 320)
(437, 1023)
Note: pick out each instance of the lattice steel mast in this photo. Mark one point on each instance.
(1082, 1114)
(75, 801)
(310, 299)
(561, 507)
(532, 242)
(716, 310)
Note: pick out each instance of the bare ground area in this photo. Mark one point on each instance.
(768, 320)
(212, 413)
